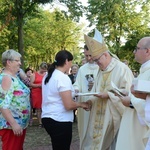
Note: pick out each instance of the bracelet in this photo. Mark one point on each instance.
(131, 106)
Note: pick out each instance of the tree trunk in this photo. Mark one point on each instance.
(20, 32)
(20, 39)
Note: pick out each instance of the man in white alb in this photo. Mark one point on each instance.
(84, 82)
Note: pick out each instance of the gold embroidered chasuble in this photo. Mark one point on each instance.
(106, 114)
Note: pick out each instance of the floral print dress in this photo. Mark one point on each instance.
(16, 99)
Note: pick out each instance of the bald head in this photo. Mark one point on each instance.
(145, 42)
(142, 52)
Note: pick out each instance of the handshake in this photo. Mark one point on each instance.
(86, 105)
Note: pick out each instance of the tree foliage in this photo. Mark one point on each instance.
(120, 21)
(44, 35)
(50, 33)
(20, 10)
(75, 9)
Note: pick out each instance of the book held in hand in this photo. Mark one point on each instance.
(141, 85)
(116, 90)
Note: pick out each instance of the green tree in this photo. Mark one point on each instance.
(47, 34)
(122, 23)
(22, 9)
(19, 10)
(75, 9)
(118, 20)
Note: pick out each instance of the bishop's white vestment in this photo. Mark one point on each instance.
(106, 114)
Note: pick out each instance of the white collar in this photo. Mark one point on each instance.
(147, 63)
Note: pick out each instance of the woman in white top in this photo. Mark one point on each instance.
(57, 101)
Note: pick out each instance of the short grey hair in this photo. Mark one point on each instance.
(75, 65)
(9, 55)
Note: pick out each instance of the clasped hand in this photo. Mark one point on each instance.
(86, 105)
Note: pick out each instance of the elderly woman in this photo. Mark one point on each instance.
(14, 103)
